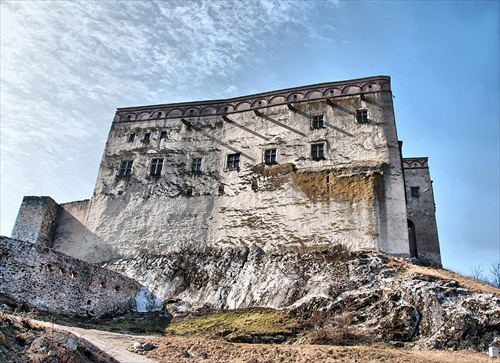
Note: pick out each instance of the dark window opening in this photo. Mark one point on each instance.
(62, 272)
(147, 137)
(159, 114)
(317, 122)
(102, 284)
(221, 189)
(415, 192)
(117, 288)
(163, 135)
(328, 179)
(131, 137)
(270, 156)
(233, 161)
(156, 167)
(125, 168)
(89, 302)
(129, 117)
(362, 116)
(318, 151)
(189, 192)
(196, 165)
(255, 185)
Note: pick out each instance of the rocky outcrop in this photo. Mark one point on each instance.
(380, 295)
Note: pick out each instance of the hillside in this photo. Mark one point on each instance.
(377, 297)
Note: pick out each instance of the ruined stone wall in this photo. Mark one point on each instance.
(51, 281)
(353, 196)
(36, 220)
(421, 210)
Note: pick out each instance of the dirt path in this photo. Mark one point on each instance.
(113, 344)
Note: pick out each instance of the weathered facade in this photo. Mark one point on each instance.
(305, 167)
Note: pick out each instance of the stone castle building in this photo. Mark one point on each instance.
(305, 167)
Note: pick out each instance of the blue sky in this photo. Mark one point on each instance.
(66, 66)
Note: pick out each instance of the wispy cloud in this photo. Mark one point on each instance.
(66, 65)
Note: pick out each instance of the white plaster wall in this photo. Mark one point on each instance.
(140, 213)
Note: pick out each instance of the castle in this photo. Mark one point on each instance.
(304, 167)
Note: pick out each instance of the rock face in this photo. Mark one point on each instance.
(379, 296)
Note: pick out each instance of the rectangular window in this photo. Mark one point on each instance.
(362, 116)
(415, 192)
(196, 165)
(233, 161)
(318, 151)
(221, 189)
(156, 167)
(163, 135)
(125, 168)
(270, 156)
(147, 137)
(189, 192)
(131, 137)
(317, 122)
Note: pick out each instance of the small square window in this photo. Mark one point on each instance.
(125, 168)
(318, 151)
(147, 137)
(163, 135)
(270, 156)
(156, 167)
(415, 192)
(317, 122)
(196, 165)
(362, 116)
(131, 137)
(189, 192)
(233, 161)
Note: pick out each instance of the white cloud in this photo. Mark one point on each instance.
(66, 65)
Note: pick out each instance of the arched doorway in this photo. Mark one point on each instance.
(413, 239)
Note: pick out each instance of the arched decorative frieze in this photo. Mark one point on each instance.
(259, 103)
(225, 109)
(191, 111)
(242, 106)
(143, 116)
(128, 117)
(208, 110)
(385, 86)
(415, 163)
(277, 100)
(332, 92)
(313, 95)
(255, 102)
(351, 90)
(370, 87)
(156, 114)
(175, 112)
(295, 97)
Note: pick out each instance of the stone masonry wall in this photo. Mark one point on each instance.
(422, 210)
(36, 220)
(48, 280)
(354, 195)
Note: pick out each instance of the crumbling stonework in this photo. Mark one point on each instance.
(36, 220)
(49, 280)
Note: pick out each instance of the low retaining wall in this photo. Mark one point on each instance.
(49, 280)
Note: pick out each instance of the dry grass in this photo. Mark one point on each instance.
(466, 282)
(190, 350)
